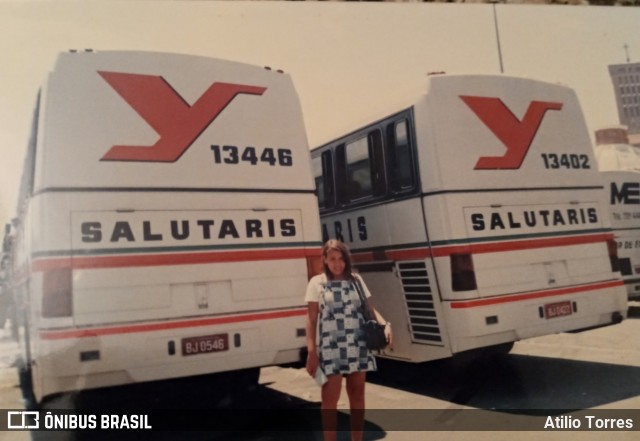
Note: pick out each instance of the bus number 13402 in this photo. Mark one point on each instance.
(557, 161)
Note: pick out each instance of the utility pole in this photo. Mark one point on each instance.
(626, 50)
(495, 22)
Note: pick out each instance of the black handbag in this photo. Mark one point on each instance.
(373, 332)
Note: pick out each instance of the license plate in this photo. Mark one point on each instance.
(205, 344)
(552, 310)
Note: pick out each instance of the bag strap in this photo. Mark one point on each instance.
(366, 310)
(323, 283)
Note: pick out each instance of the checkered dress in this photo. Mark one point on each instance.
(341, 349)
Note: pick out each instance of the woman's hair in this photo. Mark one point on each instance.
(336, 245)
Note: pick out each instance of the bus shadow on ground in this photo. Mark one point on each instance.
(514, 383)
(233, 412)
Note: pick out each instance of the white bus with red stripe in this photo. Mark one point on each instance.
(476, 214)
(619, 163)
(623, 191)
(167, 221)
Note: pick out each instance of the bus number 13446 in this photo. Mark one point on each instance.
(230, 154)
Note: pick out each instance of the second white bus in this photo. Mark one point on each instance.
(477, 216)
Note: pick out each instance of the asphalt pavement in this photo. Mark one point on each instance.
(593, 371)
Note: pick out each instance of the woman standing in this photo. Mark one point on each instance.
(333, 337)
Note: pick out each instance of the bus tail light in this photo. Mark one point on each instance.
(612, 246)
(57, 293)
(463, 276)
(314, 266)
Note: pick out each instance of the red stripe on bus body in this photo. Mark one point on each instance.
(518, 245)
(495, 247)
(165, 326)
(140, 260)
(534, 295)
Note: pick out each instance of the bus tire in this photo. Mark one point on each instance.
(25, 377)
(462, 360)
(500, 349)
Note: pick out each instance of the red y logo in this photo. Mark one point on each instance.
(177, 123)
(516, 135)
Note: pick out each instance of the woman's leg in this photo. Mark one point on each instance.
(330, 396)
(355, 389)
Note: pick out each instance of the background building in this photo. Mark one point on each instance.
(626, 86)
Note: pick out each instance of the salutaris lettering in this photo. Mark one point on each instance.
(346, 231)
(533, 219)
(179, 230)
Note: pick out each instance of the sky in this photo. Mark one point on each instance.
(350, 62)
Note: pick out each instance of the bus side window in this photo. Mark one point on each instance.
(323, 174)
(28, 169)
(401, 171)
(364, 167)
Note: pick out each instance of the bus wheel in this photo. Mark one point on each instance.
(248, 378)
(237, 381)
(501, 349)
(462, 360)
(26, 385)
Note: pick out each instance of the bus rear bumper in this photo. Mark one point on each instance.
(616, 318)
(488, 325)
(78, 362)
